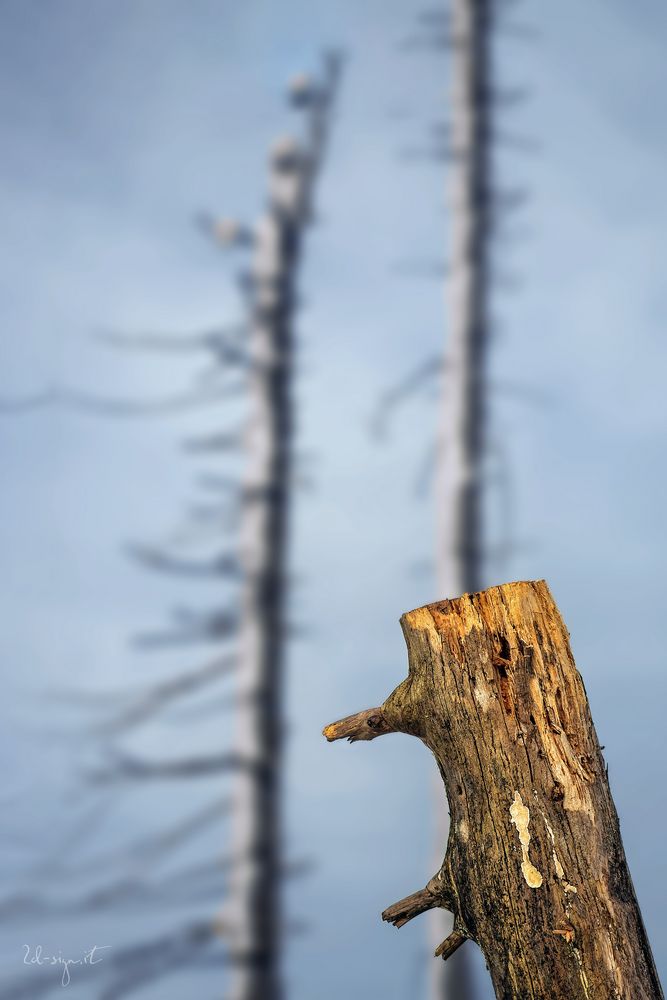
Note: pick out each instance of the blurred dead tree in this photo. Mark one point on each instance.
(256, 920)
(250, 630)
(461, 455)
(461, 427)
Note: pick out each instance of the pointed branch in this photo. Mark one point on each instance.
(188, 885)
(226, 344)
(509, 97)
(451, 944)
(523, 392)
(155, 847)
(508, 201)
(71, 843)
(76, 399)
(225, 484)
(224, 232)
(153, 558)
(219, 625)
(172, 953)
(415, 380)
(428, 898)
(362, 726)
(214, 442)
(161, 691)
(126, 767)
(211, 707)
(156, 697)
(514, 140)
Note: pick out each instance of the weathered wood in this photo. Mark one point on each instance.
(535, 870)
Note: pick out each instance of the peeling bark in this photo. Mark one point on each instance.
(535, 871)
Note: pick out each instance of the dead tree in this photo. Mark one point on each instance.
(255, 918)
(460, 544)
(535, 870)
(464, 143)
(461, 439)
(251, 633)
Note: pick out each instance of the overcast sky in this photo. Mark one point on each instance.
(121, 121)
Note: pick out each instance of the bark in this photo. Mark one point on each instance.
(535, 870)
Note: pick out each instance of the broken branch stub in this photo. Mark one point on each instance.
(535, 871)
(361, 726)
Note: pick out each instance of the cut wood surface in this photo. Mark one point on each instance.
(535, 870)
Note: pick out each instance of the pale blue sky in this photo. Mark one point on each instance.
(121, 120)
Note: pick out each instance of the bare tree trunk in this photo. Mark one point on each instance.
(255, 919)
(535, 870)
(252, 921)
(461, 430)
(254, 903)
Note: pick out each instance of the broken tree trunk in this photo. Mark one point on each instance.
(535, 870)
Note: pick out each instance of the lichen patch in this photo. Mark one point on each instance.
(558, 866)
(520, 816)
(483, 697)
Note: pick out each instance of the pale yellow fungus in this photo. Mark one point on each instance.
(520, 816)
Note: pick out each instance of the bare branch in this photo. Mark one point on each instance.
(195, 628)
(76, 399)
(410, 907)
(434, 894)
(514, 140)
(226, 343)
(510, 97)
(451, 944)
(70, 843)
(522, 392)
(145, 963)
(131, 891)
(225, 484)
(364, 725)
(522, 32)
(223, 565)
(224, 232)
(212, 707)
(150, 850)
(427, 371)
(214, 442)
(128, 768)
(157, 696)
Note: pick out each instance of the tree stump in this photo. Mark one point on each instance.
(534, 871)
